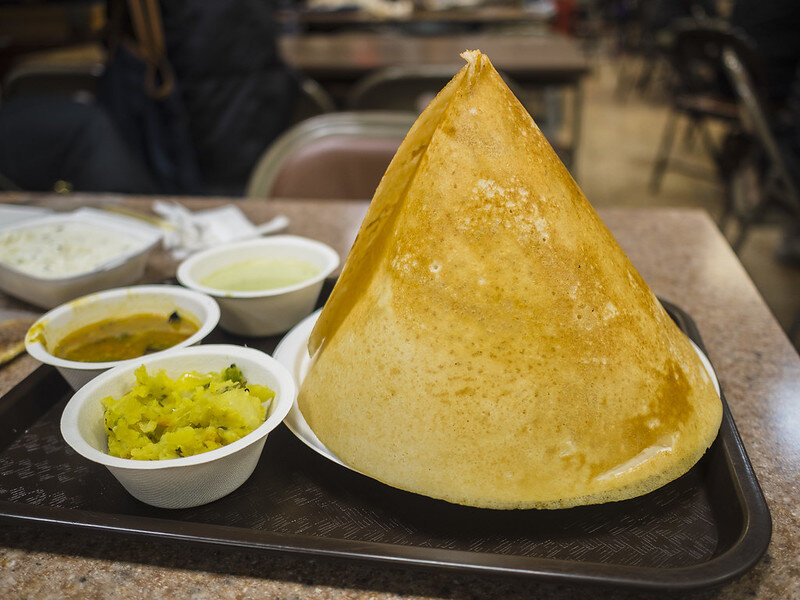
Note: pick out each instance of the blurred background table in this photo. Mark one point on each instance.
(530, 59)
(683, 256)
(480, 17)
(548, 67)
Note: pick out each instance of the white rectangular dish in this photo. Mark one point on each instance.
(15, 214)
(112, 269)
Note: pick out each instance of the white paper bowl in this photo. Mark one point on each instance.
(191, 480)
(43, 335)
(121, 270)
(264, 312)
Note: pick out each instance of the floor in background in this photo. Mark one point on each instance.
(620, 140)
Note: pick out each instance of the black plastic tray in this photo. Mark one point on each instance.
(704, 529)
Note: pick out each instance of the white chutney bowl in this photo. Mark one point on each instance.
(267, 312)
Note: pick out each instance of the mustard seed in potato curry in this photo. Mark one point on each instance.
(162, 418)
(126, 337)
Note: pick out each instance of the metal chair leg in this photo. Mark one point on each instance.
(662, 158)
(577, 128)
(741, 237)
(794, 331)
(727, 207)
(624, 78)
(750, 199)
(690, 135)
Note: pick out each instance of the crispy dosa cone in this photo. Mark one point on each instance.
(488, 342)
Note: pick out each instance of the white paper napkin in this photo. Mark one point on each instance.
(192, 231)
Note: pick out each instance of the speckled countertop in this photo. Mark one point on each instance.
(683, 257)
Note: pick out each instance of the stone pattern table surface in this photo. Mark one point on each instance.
(685, 260)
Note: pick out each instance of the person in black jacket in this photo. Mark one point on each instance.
(237, 92)
(197, 88)
(220, 96)
(53, 141)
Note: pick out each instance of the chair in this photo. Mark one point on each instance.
(778, 187)
(71, 71)
(701, 93)
(411, 88)
(407, 88)
(332, 156)
(640, 46)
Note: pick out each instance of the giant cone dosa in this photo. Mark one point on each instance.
(488, 342)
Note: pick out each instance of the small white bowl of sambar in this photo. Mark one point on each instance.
(89, 335)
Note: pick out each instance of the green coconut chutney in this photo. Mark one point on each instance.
(260, 274)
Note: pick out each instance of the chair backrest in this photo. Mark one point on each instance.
(332, 156)
(408, 88)
(312, 100)
(41, 75)
(779, 182)
(696, 55)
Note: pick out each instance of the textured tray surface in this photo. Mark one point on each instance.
(704, 528)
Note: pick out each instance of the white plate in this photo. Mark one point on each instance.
(292, 353)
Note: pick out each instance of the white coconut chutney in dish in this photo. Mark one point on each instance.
(56, 250)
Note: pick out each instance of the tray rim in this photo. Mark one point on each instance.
(742, 554)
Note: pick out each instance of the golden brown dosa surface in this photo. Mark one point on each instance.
(488, 342)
